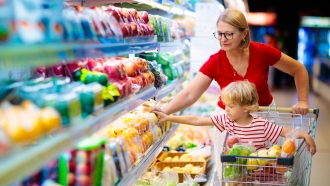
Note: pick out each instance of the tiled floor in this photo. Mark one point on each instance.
(321, 160)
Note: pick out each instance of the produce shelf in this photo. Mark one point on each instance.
(146, 161)
(166, 5)
(171, 46)
(22, 162)
(14, 56)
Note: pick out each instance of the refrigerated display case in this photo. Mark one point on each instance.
(314, 51)
(313, 41)
(20, 162)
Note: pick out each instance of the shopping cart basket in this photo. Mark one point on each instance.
(274, 171)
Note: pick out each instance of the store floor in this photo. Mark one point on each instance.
(320, 175)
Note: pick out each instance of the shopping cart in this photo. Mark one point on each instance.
(274, 171)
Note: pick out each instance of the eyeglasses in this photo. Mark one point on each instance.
(218, 35)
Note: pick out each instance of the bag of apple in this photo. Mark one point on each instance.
(231, 141)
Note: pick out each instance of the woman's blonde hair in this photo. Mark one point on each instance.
(242, 93)
(237, 19)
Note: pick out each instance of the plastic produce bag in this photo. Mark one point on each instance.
(159, 79)
(232, 140)
(289, 145)
(189, 181)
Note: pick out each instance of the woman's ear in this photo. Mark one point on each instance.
(245, 33)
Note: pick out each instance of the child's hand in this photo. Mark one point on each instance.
(161, 117)
(310, 144)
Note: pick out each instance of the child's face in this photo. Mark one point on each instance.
(235, 111)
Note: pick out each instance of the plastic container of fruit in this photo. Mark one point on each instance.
(163, 155)
(175, 165)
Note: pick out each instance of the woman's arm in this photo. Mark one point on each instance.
(299, 72)
(310, 143)
(186, 119)
(188, 95)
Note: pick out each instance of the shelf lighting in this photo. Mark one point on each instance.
(154, 4)
(175, 10)
(168, 8)
(190, 13)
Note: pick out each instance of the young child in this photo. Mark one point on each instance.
(241, 98)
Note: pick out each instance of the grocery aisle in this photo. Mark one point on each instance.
(321, 163)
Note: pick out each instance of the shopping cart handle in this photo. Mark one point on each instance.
(286, 109)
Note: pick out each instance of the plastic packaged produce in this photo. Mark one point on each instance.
(90, 97)
(112, 148)
(110, 176)
(73, 27)
(29, 28)
(52, 19)
(110, 94)
(232, 140)
(289, 146)
(126, 153)
(66, 103)
(124, 87)
(159, 80)
(89, 161)
(5, 18)
(114, 69)
(26, 122)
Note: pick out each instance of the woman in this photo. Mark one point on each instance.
(240, 59)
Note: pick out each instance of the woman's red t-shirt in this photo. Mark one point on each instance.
(262, 56)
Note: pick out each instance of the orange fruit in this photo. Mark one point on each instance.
(289, 148)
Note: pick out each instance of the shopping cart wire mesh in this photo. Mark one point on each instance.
(295, 170)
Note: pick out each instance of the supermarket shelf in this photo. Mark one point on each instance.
(105, 117)
(146, 161)
(17, 56)
(171, 47)
(14, 56)
(166, 5)
(20, 163)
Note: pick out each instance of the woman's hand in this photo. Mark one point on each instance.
(310, 144)
(161, 117)
(300, 108)
(152, 109)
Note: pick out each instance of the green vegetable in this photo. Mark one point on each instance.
(231, 172)
(190, 145)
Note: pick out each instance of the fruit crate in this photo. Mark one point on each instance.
(161, 157)
(162, 165)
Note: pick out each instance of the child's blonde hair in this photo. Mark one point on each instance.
(242, 93)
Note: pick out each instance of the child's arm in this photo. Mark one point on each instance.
(187, 119)
(310, 143)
